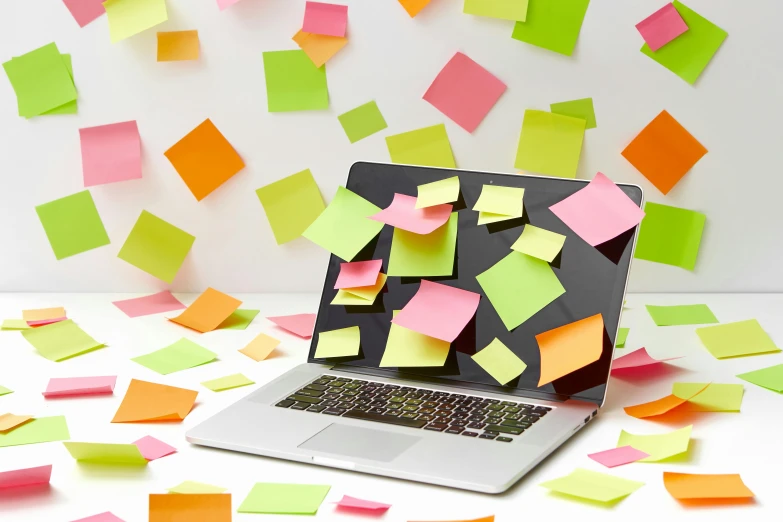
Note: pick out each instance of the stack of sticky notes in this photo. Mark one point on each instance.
(359, 283)
(43, 82)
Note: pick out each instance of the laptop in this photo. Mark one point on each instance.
(453, 425)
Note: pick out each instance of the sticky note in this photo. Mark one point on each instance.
(637, 359)
(208, 311)
(148, 401)
(5, 391)
(552, 24)
(691, 486)
(222, 4)
(260, 347)
(75, 386)
(110, 153)
(353, 503)
(98, 453)
(550, 144)
(40, 80)
(735, 339)
(519, 286)
(9, 421)
(153, 449)
(681, 314)
(156, 247)
(25, 477)
(358, 273)
(515, 10)
(61, 340)
(203, 507)
(438, 310)
(229, 382)
(15, 324)
(770, 378)
(360, 296)
(539, 243)
(130, 17)
(174, 46)
(618, 456)
(407, 348)
(178, 356)
(365, 120)
(85, 11)
(318, 47)
(323, 18)
(190, 487)
(298, 324)
(664, 151)
(402, 213)
(72, 107)
(464, 91)
(413, 7)
(344, 342)
(570, 347)
(582, 108)
(72, 224)
(500, 362)
(106, 516)
(663, 405)
(40, 316)
(42, 429)
(149, 304)
(622, 336)
(343, 228)
(497, 203)
(284, 499)
(670, 235)
(294, 83)
(291, 205)
(714, 397)
(428, 147)
(424, 255)
(689, 54)
(204, 159)
(239, 320)
(661, 27)
(660, 446)
(592, 485)
(438, 192)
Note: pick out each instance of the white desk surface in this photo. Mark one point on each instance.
(746, 443)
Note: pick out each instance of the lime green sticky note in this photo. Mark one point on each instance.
(770, 378)
(157, 247)
(343, 228)
(97, 453)
(622, 336)
(540, 243)
(15, 324)
(424, 255)
(681, 314)
(552, 24)
(670, 235)
(344, 342)
(515, 10)
(438, 192)
(550, 144)
(291, 205)
(191, 487)
(240, 319)
(736, 339)
(130, 17)
(582, 108)
(72, 224)
(428, 147)
(40, 80)
(688, 55)
(360, 296)
(229, 382)
(294, 83)
(715, 397)
(500, 362)
(660, 446)
(284, 499)
(410, 349)
(5, 391)
(592, 485)
(505, 201)
(181, 355)
(365, 120)
(519, 286)
(41, 429)
(72, 107)
(61, 340)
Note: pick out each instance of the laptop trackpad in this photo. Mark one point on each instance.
(360, 443)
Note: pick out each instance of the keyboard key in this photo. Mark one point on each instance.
(504, 439)
(332, 396)
(508, 403)
(344, 379)
(316, 386)
(300, 406)
(476, 418)
(476, 425)
(511, 409)
(394, 406)
(321, 381)
(513, 416)
(317, 408)
(285, 403)
(304, 398)
(495, 407)
(378, 410)
(515, 424)
(328, 377)
(458, 422)
(352, 386)
(495, 414)
(456, 430)
(427, 410)
(397, 399)
(310, 393)
(361, 407)
(470, 433)
(345, 404)
(409, 415)
(436, 426)
(414, 402)
(509, 430)
(337, 384)
(486, 435)
(388, 419)
(328, 403)
(350, 393)
(426, 417)
(410, 407)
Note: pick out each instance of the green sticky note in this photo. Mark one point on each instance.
(190, 487)
(291, 205)
(363, 296)
(72, 107)
(681, 314)
(736, 339)
(97, 453)
(500, 362)
(365, 120)
(688, 55)
(181, 355)
(239, 320)
(550, 144)
(72, 224)
(227, 383)
(670, 235)
(519, 286)
(770, 378)
(130, 17)
(42, 429)
(582, 108)
(15, 324)
(428, 147)
(40, 80)
(294, 83)
(715, 397)
(61, 340)
(539, 243)
(592, 485)
(343, 228)
(5, 391)
(424, 255)
(515, 10)
(157, 247)
(284, 499)
(438, 192)
(344, 342)
(622, 336)
(552, 24)
(660, 446)
(410, 349)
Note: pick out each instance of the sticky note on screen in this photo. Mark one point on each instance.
(670, 235)
(570, 347)
(343, 342)
(497, 203)
(550, 144)
(408, 348)
(361, 296)
(403, 214)
(438, 310)
(294, 83)
(358, 274)
(438, 192)
(500, 362)
(72, 224)
(552, 24)
(110, 153)
(424, 255)
(539, 243)
(291, 205)
(428, 147)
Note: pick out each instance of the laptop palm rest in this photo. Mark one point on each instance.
(359, 443)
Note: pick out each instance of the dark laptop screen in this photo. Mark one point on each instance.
(594, 279)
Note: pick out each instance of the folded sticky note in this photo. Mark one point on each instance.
(660, 446)
(424, 255)
(552, 24)
(402, 213)
(358, 274)
(636, 359)
(25, 477)
(5, 391)
(498, 203)
(9, 421)
(735, 339)
(413, 7)
(712, 396)
(15, 324)
(98, 453)
(438, 310)
(85, 11)
(582, 108)
(661, 27)
(148, 401)
(618, 456)
(500, 362)
(110, 153)
(438, 192)
(362, 296)
(681, 314)
(323, 18)
(298, 324)
(408, 348)
(177, 46)
(41, 316)
(41, 80)
(550, 144)
(180, 355)
(570, 347)
(61, 340)
(428, 147)
(204, 507)
(74, 386)
(240, 319)
(770, 378)
(291, 205)
(353, 503)
(72, 224)
(515, 10)
(318, 47)
(539, 243)
(260, 347)
(294, 82)
(690, 486)
(592, 485)
(149, 304)
(208, 311)
(130, 17)
(190, 487)
(343, 342)
(622, 336)
(284, 499)
(229, 382)
(106, 516)
(42, 429)
(670, 235)
(153, 449)
(665, 404)
(365, 120)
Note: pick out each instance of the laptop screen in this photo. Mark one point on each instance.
(594, 279)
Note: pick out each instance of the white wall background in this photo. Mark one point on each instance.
(734, 110)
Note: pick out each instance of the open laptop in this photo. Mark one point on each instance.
(451, 425)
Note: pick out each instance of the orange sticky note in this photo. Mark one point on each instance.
(688, 486)
(661, 406)
(260, 347)
(319, 47)
(149, 401)
(204, 159)
(413, 6)
(204, 507)
(175, 46)
(208, 310)
(664, 152)
(9, 421)
(43, 315)
(570, 347)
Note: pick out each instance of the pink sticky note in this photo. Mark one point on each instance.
(25, 477)
(358, 274)
(85, 11)
(101, 517)
(661, 27)
(150, 304)
(73, 386)
(599, 212)
(618, 456)
(464, 91)
(637, 359)
(43, 322)
(439, 311)
(356, 503)
(328, 19)
(299, 324)
(402, 213)
(222, 4)
(153, 449)
(110, 153)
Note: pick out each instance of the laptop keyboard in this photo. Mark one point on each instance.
(420, 408)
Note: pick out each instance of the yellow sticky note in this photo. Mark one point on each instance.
(344, 342)
(540, 243)
(175, 46)
(592, 485)
(319, 47)
(191, 487)
(227, 383)
(260, 347)
(97, 453)
(660, 446)
(715, 397)
(362, 296)
(408, 348)
(500, 362)
(498, 203)
(15, 324)
(130, 17)
(438, 192)
(9, 421)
